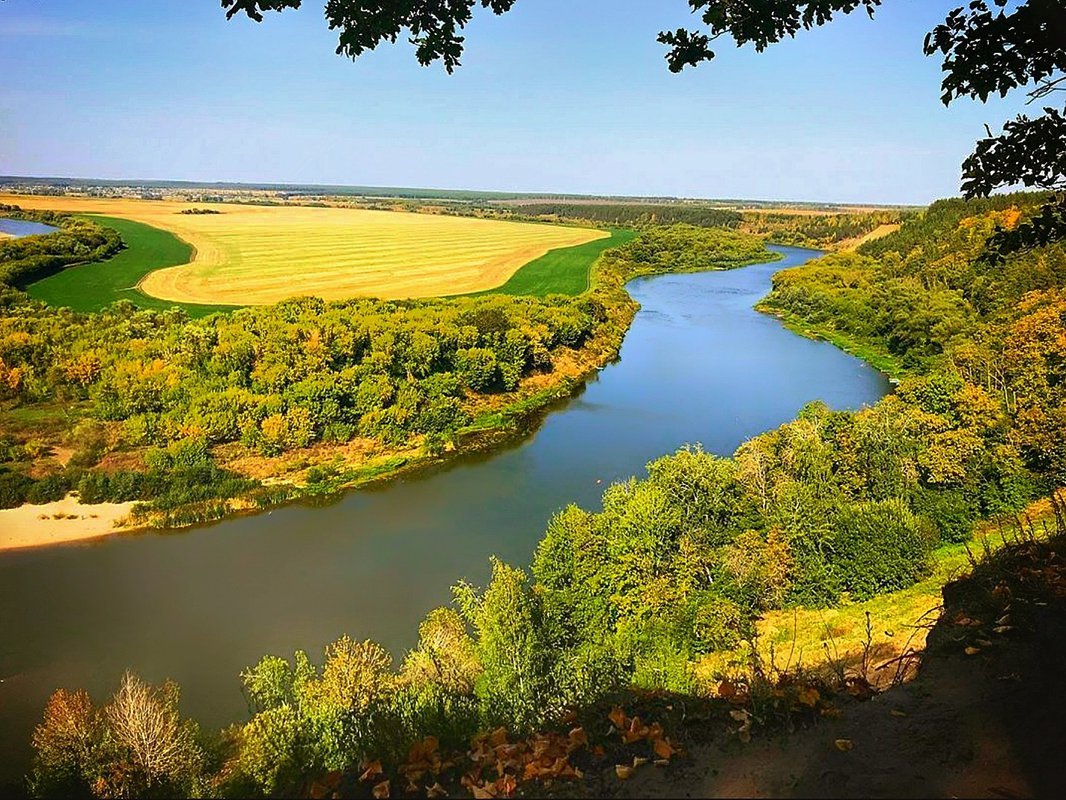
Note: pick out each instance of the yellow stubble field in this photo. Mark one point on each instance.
(257, 255)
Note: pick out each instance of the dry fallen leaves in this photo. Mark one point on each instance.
(808, 696)
(373, 770)
(663, 749)
(743, 716)
(843, 745)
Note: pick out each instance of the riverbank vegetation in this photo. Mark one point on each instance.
(678, 567)
(196, 417)
(31, 258)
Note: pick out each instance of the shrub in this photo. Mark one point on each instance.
(878, 547)
(949, 511)
(14, 488)
(49, 489)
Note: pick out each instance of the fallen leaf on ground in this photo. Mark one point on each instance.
(843, 745)
(663, 749)
(373, 769)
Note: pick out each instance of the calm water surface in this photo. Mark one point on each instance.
(19, 228)
(698, 365)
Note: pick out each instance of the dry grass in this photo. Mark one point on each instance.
(257, 255)
(876, 233)
(834, 639)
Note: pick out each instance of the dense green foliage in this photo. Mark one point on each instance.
(634, 214)
(681, 563)
(926, 289)
(95, 286)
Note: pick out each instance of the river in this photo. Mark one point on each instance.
(19, 228)
(698, 365)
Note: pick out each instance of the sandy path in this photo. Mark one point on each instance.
(876, 233)
(38, 526)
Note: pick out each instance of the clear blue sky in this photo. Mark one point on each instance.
(558, 95)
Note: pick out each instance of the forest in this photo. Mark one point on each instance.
(678, 564)
(633, 214)
(154, 405)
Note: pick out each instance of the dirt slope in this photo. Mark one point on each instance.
(984, 717)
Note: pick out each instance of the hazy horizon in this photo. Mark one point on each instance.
(552, 98)
(207, 184)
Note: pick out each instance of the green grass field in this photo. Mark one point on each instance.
(562, 271)
(93, 287)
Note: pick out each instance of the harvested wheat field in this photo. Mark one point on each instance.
(257, 255)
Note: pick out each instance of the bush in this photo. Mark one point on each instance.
(878, 547)
(14, 488)
(949, 511)
(49, 489)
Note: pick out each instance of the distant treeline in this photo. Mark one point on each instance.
(634, 214)
(820, 231)
(946, 215)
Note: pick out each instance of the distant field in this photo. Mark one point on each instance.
(256, 255)
(93, 287)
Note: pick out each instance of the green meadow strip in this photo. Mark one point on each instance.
(565, 270)
(95, 286)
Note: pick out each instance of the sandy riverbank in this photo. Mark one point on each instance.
(63, 521)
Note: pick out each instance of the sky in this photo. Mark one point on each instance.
(556, 96)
